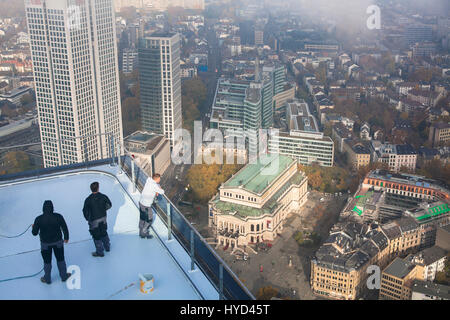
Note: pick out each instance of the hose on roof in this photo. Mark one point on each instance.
(22, 277)
(10, 237)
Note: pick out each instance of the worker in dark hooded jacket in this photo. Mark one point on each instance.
(49, 226)
(94, 211)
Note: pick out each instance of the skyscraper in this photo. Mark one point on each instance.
(76, 77)
(160, 83)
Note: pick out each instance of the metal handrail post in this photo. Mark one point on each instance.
(133, 176)
(119, 159)
(192, 250)
(221, 281)
(169, 221)
(86, 158)
(111, 149)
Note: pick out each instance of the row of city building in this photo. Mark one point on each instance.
(397, 222)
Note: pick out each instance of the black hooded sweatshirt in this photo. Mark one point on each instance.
(49, 225)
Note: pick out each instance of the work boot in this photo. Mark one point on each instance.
(96, 254)
(47, 273)
(68, 275)
(63, 271)
(44, 281)
(99, 249)
(106, 243)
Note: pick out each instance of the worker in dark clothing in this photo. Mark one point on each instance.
(49, 226)
(94, 211)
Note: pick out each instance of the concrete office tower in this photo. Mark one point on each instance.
(76, 76)
(160, 83)
(259, 37)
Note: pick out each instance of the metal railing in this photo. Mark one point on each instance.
(202, 254)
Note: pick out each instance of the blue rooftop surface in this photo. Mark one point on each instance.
(113, 277)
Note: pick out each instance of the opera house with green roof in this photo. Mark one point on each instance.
(253, 204)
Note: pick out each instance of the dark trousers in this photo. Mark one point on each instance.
(101, 238)
(58, 250)
(146, 218)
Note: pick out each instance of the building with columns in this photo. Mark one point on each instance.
(252, 205)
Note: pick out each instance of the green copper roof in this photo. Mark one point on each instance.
(251, 177)
(269, 207)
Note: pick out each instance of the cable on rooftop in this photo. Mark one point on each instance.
(22, 277)
(10, 237)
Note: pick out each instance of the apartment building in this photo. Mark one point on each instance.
(397, 279)
(358, 154)
(403, 235)
(338, 270)
(395, 157)
(427, 290)
(433, 260)
(129, 60)
(252, 205)
(439, 133)
(341, 133)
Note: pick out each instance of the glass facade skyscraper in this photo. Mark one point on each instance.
(74, 53)
(160, 84)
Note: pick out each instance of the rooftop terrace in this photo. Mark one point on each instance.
(116, 275)
(101, 278)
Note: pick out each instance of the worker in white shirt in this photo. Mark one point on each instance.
(147, 213)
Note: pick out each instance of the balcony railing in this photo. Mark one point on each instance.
(216, 270)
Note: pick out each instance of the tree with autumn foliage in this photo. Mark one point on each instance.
(326, 179)
(192, 101)
(205, 179)
(266, 293)
(436, 170)
(15, 161)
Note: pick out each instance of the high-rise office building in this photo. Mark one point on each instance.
(259, 37)
(160, 84)
(129, 60)
(76, 77)
(418, 33)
